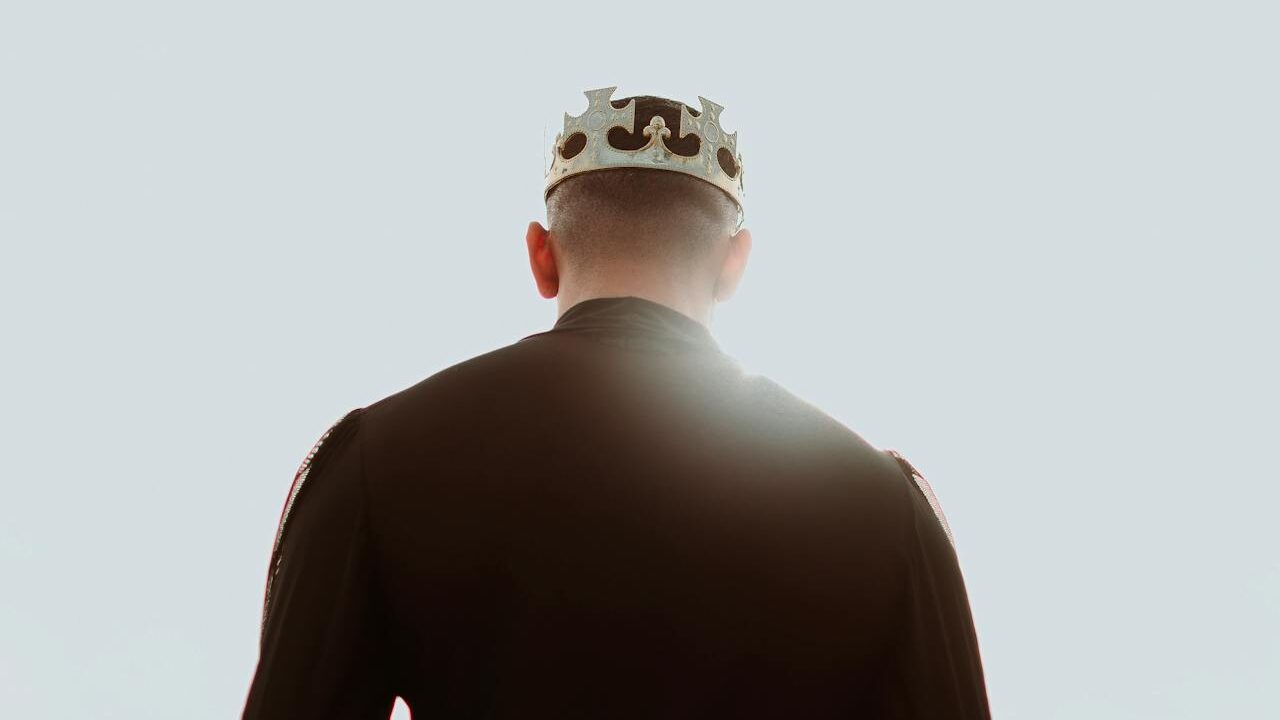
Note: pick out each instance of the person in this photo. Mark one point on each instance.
(610, 518)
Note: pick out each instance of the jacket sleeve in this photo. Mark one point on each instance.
(323, 649)
(935, 669)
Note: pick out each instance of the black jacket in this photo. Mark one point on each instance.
(611, 519)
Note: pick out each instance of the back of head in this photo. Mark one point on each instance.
(613, 219)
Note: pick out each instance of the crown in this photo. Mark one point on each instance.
(697, 146)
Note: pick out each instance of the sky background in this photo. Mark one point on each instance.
(1032, 246)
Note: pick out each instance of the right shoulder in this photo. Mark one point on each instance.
(456, 379)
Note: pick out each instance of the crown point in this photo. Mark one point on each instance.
(599, 96)
(710, 110)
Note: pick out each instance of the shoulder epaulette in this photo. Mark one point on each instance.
(335, 432)
(918, 478)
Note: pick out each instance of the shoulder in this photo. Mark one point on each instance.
(458, 382)
(883, 475)
(334, 437)
(794, 416)
(335, 446)
(326, 484)
(889, 467)
(922, 491)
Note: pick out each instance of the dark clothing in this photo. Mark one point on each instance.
(611, 519)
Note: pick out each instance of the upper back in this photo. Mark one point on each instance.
(600, 500)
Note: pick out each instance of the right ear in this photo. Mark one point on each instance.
(541, 260)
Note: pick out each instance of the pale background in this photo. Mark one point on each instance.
(1034, 249)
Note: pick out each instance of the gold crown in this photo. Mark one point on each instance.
(584, 144)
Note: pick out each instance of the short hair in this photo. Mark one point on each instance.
(640, 215)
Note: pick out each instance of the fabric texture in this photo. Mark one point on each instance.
(612, 519)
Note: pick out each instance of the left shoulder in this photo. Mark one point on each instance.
(924, 488)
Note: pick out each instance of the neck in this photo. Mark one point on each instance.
(695, 303)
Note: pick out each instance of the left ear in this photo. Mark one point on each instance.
(735, 263)
(541, 260)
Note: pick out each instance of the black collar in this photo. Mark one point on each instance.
(634, 321)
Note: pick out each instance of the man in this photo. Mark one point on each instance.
(610, 519)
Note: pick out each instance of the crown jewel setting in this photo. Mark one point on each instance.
(717, 160)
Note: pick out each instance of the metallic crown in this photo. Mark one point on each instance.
(716, 161)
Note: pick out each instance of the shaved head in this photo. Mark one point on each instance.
(637, 215)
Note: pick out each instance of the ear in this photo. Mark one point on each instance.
(541, 260)
(735, 263)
